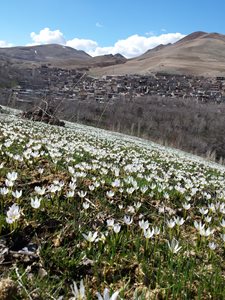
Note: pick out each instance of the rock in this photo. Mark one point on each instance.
(43, 115)
(8, 289)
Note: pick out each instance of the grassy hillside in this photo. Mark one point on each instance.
(83, 206)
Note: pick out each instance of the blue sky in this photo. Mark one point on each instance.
(103, 26)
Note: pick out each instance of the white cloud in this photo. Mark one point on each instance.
(4, 44)
(132, 46)
(47, 36)
(136, 45)
(82, 44)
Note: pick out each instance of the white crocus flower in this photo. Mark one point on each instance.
(212, 246)
(131, 209)
(35, 154)
(179, 221)
(208, 219)
(137, 205)
(174, 246)
(130, 190)
(117, 172)
(144, 189)
(79, 294)
(116, 183)
(206, 232)
(35, 202)
(8, 144)
(86, 205)
(13, 214)
(53, 188)
(156, 230)
(96, 184)
(110, 194)
(223, 237)
(71, 170)
(72, 185)
(167, 196)
(90, 237)
(188, 198)
(40, 190)
(18, 157)
(203, 210)
(9, 183)
(143, 224)
(170, 223)
(82, 194)
(222, 210)
(61, 184)
(17, 194)
(4, 191)
(40, 170)
(128, 220)
(194, 191)
(223, 223)
(212, 207)
(161, 209)
(91, 188)
(106, 295)
(12, 176)
(116, 228)
(186, 206)
(110, 222)
(221, 206)
(70, 194)
(149, 233)
(121, 190)
(199, 226)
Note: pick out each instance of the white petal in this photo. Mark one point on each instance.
(82, 289)
(99, 296)
(114, 296)
(106, 294)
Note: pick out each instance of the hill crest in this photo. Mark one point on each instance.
(199, 53)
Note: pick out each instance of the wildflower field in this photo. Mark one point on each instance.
(89, 214)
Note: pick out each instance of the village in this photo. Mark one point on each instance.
(59, 84)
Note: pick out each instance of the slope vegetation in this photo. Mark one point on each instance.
(84, 210)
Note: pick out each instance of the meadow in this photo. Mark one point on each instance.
(90, 214)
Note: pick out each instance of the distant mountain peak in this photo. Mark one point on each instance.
(43, 53)
(199, 53)
(198, 35)
(192, 36)
(118, 55)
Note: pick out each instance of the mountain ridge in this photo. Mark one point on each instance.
(199, 53)
(42, 53)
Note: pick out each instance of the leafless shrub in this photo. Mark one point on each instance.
(185, 124)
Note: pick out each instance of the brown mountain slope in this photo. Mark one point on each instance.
(56, 55)
(42, 53)
(199, 53)
(107, 60)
